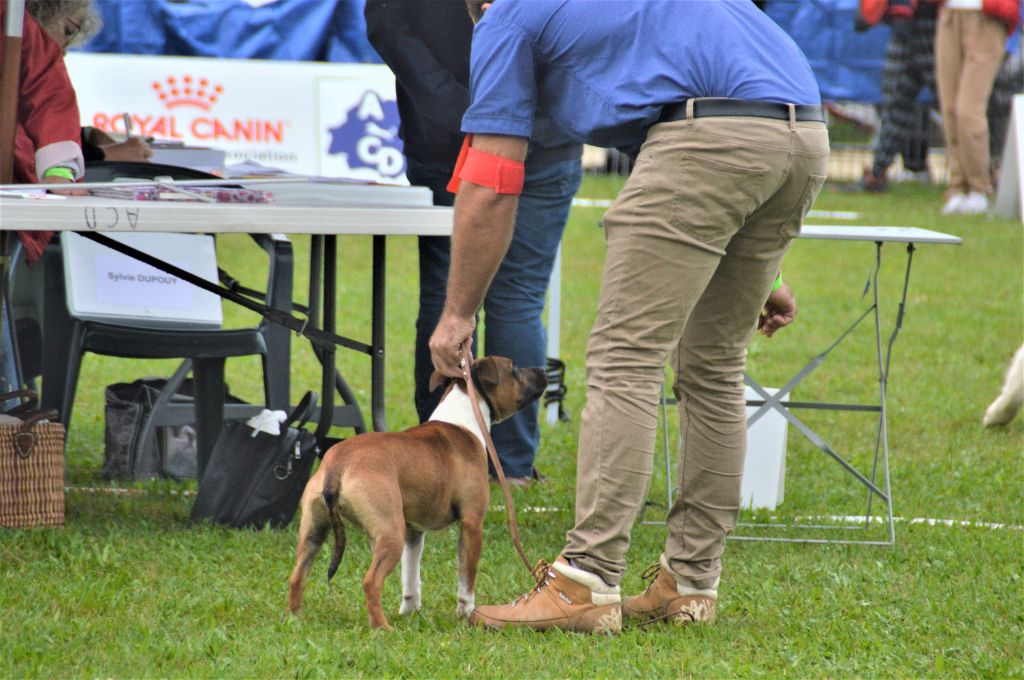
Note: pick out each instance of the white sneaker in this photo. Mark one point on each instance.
(975, 203)
(954, 204)
(919, 176)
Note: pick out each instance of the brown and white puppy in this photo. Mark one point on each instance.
(396, 486)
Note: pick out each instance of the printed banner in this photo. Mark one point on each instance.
(335, 120)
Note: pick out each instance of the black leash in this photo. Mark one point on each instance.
(301, 326)
(233, 284)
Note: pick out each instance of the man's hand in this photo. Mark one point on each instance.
(779, 311)
(446, 343)
(98, 137)
(132, 149)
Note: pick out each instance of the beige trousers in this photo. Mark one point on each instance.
(694, 241)
(969, 48)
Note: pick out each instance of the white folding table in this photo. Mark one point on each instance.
(876, 480)
(375, 210)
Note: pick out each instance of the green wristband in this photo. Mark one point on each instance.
(778, 283)
(58, 171)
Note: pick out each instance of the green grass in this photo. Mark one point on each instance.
(130, 588)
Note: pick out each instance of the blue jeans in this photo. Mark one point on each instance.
(515, 301)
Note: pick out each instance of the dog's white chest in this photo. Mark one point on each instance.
(457, 409)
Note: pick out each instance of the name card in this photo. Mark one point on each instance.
(104, 285)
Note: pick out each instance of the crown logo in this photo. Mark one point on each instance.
(187, 91)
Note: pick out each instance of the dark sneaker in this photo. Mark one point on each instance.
(565, 597)
(872, 183)
(523, 482)
(667, 600)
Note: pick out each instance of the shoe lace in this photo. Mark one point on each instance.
(541, 575)
(650, 575)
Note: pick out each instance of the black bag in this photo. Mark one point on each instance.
(253, 481)
(169, 451)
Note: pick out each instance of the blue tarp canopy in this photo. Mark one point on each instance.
(848, 65)
(298, 30)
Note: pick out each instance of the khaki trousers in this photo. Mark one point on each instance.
(694, 240)
(969, 47)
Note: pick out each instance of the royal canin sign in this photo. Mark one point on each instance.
(313, 118)
(196, 96)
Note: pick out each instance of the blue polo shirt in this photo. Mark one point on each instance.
(600, 71)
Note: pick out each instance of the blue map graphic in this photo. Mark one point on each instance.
(368, 138)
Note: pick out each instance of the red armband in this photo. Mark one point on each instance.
(504, 175)
(453, 183)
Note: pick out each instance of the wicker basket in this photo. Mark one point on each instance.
(32, 472)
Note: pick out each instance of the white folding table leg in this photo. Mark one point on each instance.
(554, 327)
(777, 402)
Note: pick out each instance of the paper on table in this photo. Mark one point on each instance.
(166, 193)
(248, 168)
(36, 194)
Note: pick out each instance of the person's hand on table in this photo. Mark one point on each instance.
(132, 149)
(779, 311)
(446, 343)
(98, 137)
(61, 183)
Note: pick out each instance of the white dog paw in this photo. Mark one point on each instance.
(410, 605)
(1000, 412)
(465, 608)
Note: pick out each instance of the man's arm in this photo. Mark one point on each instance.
(484, 222)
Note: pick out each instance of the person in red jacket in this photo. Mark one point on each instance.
(46, 147)
(71, 23)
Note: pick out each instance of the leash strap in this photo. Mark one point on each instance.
(233, 284)
(513, 527)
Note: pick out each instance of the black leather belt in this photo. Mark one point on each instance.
(703, 108)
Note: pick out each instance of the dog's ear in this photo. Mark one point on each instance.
(487, 372)
(437, 380)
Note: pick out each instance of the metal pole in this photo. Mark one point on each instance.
(554, 324)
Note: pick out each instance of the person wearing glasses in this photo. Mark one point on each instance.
(71, 23)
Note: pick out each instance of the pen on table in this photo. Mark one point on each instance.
(128, 129)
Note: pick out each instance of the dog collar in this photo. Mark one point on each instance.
(476, 383)
(480, 391)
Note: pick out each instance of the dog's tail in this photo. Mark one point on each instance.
(331, 492)
(339, 542)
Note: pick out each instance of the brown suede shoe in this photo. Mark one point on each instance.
(523, 482)
(666, 600)
(515, 482)
(565, 597)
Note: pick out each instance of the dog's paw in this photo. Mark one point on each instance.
(1000, 412)
(410, 605)
(465, 607)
